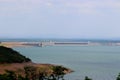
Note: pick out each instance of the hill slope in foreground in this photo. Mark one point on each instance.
(8, 55)
(14, 61)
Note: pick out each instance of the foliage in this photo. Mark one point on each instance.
(31, 73)
(87, 78)
(58, 73)
(118, 77)
(9, 75)
(8, 55)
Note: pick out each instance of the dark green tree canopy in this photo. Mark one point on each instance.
(8, 55)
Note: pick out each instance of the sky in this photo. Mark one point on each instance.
(60, 19)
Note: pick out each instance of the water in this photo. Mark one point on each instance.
(96, 62)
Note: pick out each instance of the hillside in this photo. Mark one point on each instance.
(8, 55)
(14, 66)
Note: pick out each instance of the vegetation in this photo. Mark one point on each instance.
(8, 55)
(58, 73)
(9, 75)
(87, 78)
(31, 73)
(118, 77)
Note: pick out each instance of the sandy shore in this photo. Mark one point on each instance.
(13, 44)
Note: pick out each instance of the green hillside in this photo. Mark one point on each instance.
(8, 55)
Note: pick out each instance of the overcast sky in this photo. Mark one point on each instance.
(59, 18)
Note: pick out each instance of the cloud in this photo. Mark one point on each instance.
(12, 7)
(93, 6)
(62, 6)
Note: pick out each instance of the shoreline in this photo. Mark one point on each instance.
(20, 67)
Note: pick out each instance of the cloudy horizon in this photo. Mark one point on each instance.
(59, 19)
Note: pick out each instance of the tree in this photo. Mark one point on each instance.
(118, 77)
(8, 55)
(58, 73)
(30, 72)
(9, 75)
(87, 78)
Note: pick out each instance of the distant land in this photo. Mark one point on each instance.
(58, 39)
(57, 42)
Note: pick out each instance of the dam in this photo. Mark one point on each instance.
(63, 43)
(88, 43)
(50, 43)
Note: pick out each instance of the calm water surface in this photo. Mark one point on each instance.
(96, 62)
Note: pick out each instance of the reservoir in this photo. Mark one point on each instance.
(96, 62)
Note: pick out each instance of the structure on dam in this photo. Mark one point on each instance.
(62, 43)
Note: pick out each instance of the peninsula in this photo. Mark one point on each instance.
(12, 61)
